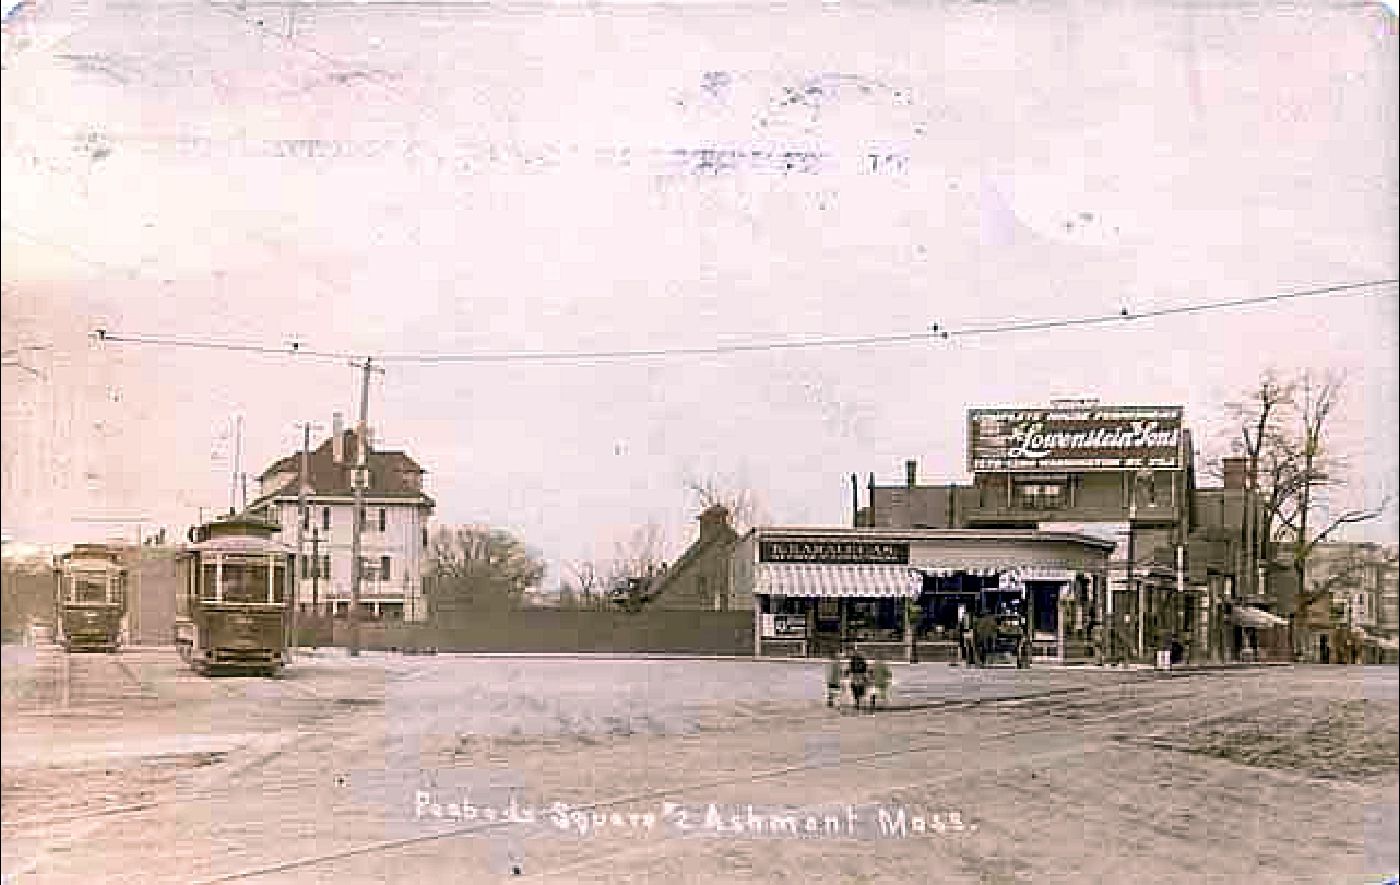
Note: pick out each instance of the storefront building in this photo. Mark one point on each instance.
(1185, 573)
(912, 594)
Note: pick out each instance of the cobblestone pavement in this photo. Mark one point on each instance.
(385, 768)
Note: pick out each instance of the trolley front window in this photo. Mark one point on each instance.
(88, 589)
(245, 581)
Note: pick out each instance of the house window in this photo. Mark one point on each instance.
(383, 566)
(325, 519)
(325, 566)
(383, 518)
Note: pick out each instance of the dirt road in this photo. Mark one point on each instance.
(387, 769)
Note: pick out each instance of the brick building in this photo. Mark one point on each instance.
(1125, 475)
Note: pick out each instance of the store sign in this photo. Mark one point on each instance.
(1082, 438)
(784, 626)
(835, 552)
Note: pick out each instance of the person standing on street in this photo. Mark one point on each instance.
(860, 675)
(833, 679)
(985, 635)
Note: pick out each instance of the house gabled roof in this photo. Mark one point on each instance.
(392, 474)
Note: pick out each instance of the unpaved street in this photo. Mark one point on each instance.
(387, 768)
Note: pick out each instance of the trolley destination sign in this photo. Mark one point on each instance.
(835, 552)
(1093, 438)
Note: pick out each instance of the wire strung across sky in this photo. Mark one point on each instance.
(934, 333)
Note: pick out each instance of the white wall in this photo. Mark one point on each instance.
(401, 541)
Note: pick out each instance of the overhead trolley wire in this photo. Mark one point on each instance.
(934, 333)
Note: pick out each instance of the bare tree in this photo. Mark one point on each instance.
(1306, 466)
(1260, 442)
(745, 508)
(474, 567)
(1284, 429)
(583, 585)
(639, 561)
(642, 553)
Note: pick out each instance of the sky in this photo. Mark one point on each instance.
(398, 179)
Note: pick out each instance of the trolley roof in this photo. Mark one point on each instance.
(245, 544)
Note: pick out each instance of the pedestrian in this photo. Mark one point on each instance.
(882, 678)
(985, 634)
(833, 679)
(860, 675)
(969, 643)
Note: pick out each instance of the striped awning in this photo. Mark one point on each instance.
(835, 581)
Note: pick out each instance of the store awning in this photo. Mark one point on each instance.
(1024, 572)
(835, 581)
(1249, 616)
(1382, 642)
(970, 571)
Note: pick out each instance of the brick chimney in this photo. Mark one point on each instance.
(1235, 470)
(713, 521)
(338, 439)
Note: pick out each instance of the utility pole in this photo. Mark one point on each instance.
(302, 518)
(315, 570)
(237, 463)
(1132, 579)
(359, 479)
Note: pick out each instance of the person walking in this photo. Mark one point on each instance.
(985, 635)
(833, 679)
(969, 643)
(859, 671)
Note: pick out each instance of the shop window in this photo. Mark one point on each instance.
(1040, 494)
(875, 619)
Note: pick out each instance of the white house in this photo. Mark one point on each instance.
(392, 544)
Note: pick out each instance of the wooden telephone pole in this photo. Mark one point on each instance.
(299, 565)
(360, 481)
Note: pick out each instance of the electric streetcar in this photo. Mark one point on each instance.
(233, 605)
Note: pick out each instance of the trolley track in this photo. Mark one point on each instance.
(1075, 707)
(1051, 702)
(873, 757)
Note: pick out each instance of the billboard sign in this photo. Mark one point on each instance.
(1081, 438)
